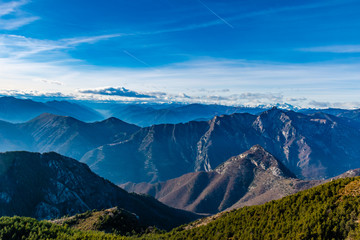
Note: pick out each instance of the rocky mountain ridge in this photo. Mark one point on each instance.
(309, 146)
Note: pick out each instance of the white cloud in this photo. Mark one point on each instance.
(118, 91)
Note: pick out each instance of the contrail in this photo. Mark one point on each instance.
(137, 59)
(224, 21)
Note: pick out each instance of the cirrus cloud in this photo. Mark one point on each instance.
(15, 18)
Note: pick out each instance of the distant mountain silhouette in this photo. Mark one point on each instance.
(343, 113)
(21, 110)
(147, 115)
(65, 135)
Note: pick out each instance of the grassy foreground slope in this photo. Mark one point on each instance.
(18, 228)
(329, 211)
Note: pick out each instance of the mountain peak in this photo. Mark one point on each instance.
(274, 110)
(51, 116)
(255, 158)
(252, 177)
(112, 120)
(257, 147)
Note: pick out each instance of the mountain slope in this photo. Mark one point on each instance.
(113, 220)
(312, 147)
(329, 211)
(11, 138)
(253, 177)
(351, 114)
(21, 110)
(65, 135)
(49, 185)
(159, 149)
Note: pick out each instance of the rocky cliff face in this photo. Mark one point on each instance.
(313, 147)
(49, 185)
(253, 177)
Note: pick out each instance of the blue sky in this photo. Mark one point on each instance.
(306, 53)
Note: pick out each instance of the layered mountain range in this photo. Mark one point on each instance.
(147, 115)
(49, 185)
(314, 146)
(65, 135)
(21, 110)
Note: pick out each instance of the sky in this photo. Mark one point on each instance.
(303, 53)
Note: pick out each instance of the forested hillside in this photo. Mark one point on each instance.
(329, 211)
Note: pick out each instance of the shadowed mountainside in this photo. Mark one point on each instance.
(49, 185)
(65, 135)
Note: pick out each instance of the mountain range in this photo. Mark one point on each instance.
(316, 146)
(312, 146)
(49, 185)
(147, 115)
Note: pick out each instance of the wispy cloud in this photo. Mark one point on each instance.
(49, 82)
(300, 99)
(318, 104)
(10, 7)
(216, 15)
(15, 18)
(10, 24)
(91, 39)
(246, 15)
(16, 46)
(136, 58)
(333, 49)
